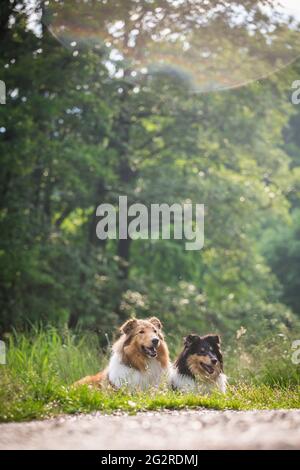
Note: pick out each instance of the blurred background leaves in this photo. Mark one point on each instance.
(82, 126)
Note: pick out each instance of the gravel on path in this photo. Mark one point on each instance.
(175, 430)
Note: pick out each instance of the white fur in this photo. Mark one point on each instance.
(121, 375)
(182, 382)
(188, 384)
(222, 383)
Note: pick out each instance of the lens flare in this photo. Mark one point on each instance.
(213, 45)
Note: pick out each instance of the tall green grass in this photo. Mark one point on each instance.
(52, 356)
(41, 366)
(268, 362)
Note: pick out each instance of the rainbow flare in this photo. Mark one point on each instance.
(209, 47)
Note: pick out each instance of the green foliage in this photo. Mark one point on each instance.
(281, 247)
(46, 356)
(77, 134)
(35, 382)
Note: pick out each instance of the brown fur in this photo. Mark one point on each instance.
(135, 334)
(96, 380)
(200, 349)
(194, 364)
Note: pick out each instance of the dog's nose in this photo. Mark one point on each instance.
(155, 341)
(214, 361)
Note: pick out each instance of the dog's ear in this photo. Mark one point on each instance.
(214, 339)
(156, 322)
(190, 339)
(128, 326)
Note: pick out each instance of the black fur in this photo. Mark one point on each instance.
(195, 344)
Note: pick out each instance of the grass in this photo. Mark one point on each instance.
(40, 367)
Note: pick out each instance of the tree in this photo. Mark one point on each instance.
(83, 125)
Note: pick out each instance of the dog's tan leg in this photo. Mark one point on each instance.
(93, 380)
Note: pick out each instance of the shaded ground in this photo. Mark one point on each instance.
(191, 429)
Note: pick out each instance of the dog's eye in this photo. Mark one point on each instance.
(141, 332)
(155, 331)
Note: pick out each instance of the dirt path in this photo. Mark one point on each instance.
(196, 429)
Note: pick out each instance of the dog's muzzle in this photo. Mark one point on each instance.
(151, 351)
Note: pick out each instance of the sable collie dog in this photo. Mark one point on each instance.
(199, 367)
(139, 357)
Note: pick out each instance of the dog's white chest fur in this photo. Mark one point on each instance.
(188, 384)
(121, 375)
(182, 382)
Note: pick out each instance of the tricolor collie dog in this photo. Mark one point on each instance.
(199, 367)
(139, 359)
